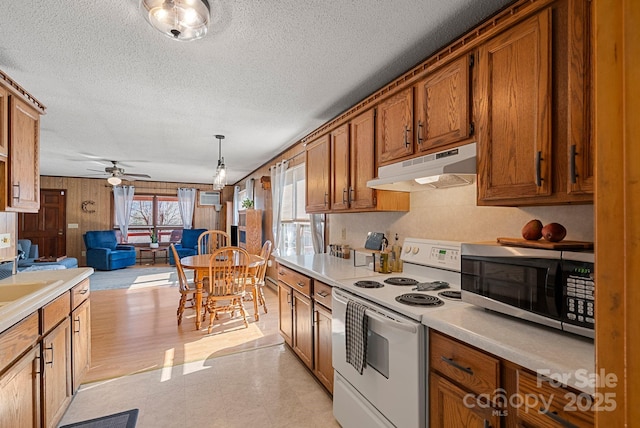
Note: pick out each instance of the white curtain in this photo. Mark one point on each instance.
(278, 173)
(249, 186)
(187, 203)
(317, 232)
(236, 204)
(123, 201)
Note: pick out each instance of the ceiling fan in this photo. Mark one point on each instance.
(117, 174)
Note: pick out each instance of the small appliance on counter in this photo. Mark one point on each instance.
(549, 287)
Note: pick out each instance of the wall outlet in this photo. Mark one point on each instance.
(84, 254)
(5, 240)
(72, 225)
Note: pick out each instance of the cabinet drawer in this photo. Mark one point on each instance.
(17, 339)
(553, 406)
(322, 294)
(466, 366)
(55, 311)
(295, 280)
(79, 293)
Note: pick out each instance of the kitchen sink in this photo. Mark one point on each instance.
(12, 292)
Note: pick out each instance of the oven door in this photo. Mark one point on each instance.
(393, 381)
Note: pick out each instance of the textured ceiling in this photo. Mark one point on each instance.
(268, 73)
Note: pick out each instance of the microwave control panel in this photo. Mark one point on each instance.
(579, 292)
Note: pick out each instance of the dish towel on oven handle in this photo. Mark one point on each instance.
(356, 335)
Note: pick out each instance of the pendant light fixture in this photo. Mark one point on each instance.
(220, 179)
(183, 20)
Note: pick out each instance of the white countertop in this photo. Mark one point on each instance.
(52, 283)
(534, 347)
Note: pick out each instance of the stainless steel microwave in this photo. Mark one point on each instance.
(554, 288)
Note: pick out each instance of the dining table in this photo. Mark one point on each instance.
(200, 265)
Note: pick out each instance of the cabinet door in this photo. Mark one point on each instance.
(452, 407)
(20, 392)
(317, 175)
(302, 328)
(81, 342)
(323, 363)
(395, 127)
(442, 106)
(362, 160)
(56, 373)
(24, 137)
(285, 314)
(4, 122)
(340, 168)
(514, 113)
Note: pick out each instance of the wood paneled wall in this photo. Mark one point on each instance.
(96, 190)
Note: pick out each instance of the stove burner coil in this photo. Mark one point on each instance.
(398, 280)
(368, 284)
(451, 294)
(417, 299)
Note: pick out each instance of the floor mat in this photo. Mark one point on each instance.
(125, 419)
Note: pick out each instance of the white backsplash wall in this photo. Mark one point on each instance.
(452, 214)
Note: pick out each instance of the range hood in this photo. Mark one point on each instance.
(448, 168)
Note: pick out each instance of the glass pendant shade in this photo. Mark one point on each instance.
(220, 179)
(114, 181)
(183, 20)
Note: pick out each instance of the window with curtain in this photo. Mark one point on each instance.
(296, 227)
(151, 212)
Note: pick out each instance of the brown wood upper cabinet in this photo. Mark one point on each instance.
(395, 127)
(443, 113)
(317, 175)
(531, 105)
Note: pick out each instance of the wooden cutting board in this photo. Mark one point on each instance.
(562, 245)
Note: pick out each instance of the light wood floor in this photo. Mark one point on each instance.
(136, 330)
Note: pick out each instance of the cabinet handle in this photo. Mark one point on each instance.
(18, 192)
(538, 169)
(486, 424)
(36, 362)
(300, 284)
(406, 137)
(573, 164)
(49, 349)
(420, 132)
(84, 291)
(326, 198)
(344, 196)
(289, 299)
(322, 294)
(77, 320)
(456, 365)
(556, 418)
(350, 194)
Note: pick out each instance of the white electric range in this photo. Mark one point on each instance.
(392, 389)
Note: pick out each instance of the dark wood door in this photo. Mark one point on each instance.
(46, 227)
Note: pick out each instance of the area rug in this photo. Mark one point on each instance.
(135, 278)
(125, 419)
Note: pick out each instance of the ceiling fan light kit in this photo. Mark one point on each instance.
(220, 179)
(182, 20)
(114, 181)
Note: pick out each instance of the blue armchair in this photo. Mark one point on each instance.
(104, 252)
(188, 246)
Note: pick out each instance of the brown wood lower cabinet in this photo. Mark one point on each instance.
(305, 321)
(81, 343)
(472, 388)
(20, 392)
(56, 373)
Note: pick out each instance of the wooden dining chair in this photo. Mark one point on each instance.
(227, 283)
(211, 240)
(187, 288)
(261, 273)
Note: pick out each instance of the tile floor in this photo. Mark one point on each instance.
(267, 387)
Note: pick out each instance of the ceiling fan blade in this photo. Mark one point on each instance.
(96, 170)
(136, 175)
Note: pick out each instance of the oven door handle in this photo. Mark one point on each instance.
(388, 321)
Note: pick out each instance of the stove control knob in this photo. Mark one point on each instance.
(407, 249)
(416, 250)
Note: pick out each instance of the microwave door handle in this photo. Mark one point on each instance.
(391, 322)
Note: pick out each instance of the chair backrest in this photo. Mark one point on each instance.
(211, 240)
(100, 239)
(228, 271)
(190, 237)
(182, 278)
(265, 253)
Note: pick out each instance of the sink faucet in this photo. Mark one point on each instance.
(14, 260)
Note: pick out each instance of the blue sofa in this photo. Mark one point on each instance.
(188, 246)
(28, 253)
(104, 252)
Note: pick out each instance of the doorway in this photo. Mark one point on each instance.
(47, 227)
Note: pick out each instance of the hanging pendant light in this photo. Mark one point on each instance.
(183, 20)
(220, 179)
